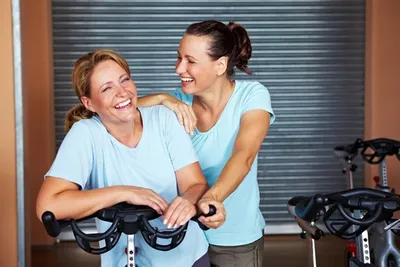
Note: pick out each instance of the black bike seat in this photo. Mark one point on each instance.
(123, 209)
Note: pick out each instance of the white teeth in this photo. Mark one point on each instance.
(187, 80)
(123, 104)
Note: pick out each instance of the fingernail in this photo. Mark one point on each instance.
(169, 225)
(165, 221)
(175, 226)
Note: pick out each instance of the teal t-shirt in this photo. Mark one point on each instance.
(92, 158)
(244, 222)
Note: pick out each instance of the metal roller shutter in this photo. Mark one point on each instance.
(310, 54)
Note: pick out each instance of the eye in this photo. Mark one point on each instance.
(126, 79)
(191, 62)
(105, 89)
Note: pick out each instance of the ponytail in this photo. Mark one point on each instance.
(75, 114)
(242, 49)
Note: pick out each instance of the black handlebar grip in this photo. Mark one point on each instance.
(212, 211)
(52, 225)
(309, 212)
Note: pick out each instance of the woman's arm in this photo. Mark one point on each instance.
(153, 99)
(184, 112)
(191, 182)
(66, 201)
(191, 185)
(253, 129)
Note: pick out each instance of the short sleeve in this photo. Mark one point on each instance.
(178, 142)
(258, 97)
(74, 159)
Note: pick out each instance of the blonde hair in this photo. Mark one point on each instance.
(81, 75)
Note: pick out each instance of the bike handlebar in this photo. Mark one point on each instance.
(377, 205)
(125, 218)
(380, 147)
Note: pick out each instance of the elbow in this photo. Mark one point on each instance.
(248, 160)
(43, 204)
(41, 207)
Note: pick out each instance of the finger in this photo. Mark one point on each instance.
(185, 215)
(212, 225)
(186, 121)
(192, 119)
(172, 222)
(204, 207)
(178, 113)
(170, 211)
(153, 205)
(153, 196)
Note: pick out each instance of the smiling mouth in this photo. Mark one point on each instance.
(124, 104)
(187, 80)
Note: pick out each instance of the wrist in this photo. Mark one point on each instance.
(213, 194)
(162, 97)
(121, 194)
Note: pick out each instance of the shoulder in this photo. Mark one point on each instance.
(253, 95)
(156, 112)
(86, 129)
(249, 88)
(159, 116)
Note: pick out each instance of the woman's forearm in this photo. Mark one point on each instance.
(195, 192)
(235, 170)
(152, 100)
(78, 204)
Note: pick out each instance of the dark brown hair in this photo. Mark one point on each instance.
(229, 40)
(81, 75)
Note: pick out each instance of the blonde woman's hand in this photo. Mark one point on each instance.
(179, 212)
(215, 220)
(184, 113)
(143, 196)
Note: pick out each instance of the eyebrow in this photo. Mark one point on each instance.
(125, 74)
(188, 56)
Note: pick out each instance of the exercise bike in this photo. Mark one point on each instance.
(383, 252)
(337, 212)
(124, 218)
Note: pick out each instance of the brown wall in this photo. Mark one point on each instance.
(382, 80)
(36, 31)
(8, 204)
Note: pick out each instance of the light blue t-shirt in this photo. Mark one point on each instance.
(244, 222)
(92, 158)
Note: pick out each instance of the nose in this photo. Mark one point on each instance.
(180, 67)
(122, 91)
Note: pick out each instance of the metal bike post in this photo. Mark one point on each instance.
(314, 253)
(350, 174)
(383, 170)
(131, 251)
(362, 244)
(364, 249)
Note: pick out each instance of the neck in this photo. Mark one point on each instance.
(128, 133)
(217, 95)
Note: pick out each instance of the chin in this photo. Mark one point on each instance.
(188, 90)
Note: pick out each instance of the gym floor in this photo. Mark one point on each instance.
(279, 251)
